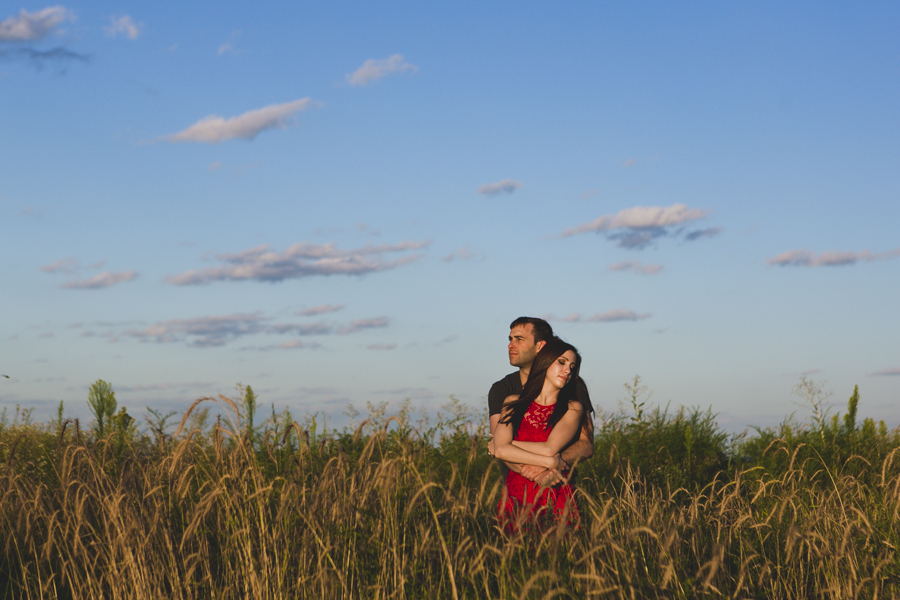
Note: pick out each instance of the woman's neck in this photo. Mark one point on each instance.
(548, 395)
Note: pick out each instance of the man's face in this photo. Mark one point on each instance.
(522, 348)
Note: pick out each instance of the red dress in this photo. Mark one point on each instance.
(524, 501)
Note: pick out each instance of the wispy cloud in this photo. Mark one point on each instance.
(38, 58)
(31, 27)
(202, 332)
(636, 267)
(291, 345)
(123, 25)
(381, 346)
(507, 186)
(302, 329)
(229, 47)
(637, 227)
(205, 332)
(447, 340)
(887, 372)
(702, 233)
(374, 69)
(100, 281)
(300, 260)
(629, 163)
(321, 309)
(215, 129)
(461, 254)
(66, 265)
(409, 393)
(619, 314)
(164, 387)
(30, 211)
(805, 258)
(361, 324)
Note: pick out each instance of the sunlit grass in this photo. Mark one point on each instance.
(671, 508)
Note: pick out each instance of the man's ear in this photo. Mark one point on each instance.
(539, 345)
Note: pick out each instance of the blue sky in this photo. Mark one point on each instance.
(342, 204)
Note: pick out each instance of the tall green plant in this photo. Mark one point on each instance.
(850, 417)
(102, 402)
(250, 406)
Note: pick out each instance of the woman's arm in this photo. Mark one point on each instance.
(506, 451)
(561, 436)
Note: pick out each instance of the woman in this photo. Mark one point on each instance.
(534, 428)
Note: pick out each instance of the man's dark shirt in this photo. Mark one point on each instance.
(511, 385)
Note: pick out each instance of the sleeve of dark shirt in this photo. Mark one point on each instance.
(496, 397)
(500, 391)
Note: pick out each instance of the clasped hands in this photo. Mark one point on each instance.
(540, 475)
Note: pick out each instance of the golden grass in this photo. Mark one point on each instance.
(381, 516)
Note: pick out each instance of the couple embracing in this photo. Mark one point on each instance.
(540, 426)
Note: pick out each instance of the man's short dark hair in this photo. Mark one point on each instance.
(542, 330)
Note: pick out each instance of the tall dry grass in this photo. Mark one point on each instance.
(386, 511)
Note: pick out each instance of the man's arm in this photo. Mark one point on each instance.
(582, 448)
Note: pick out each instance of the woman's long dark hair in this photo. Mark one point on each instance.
(515, 411)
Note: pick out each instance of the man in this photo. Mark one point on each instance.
(527, 335)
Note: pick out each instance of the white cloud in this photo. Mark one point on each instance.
(637, 227)
(321, 309)
(300, 260)
(641, 217)
(30, 27)
(507, 186)
(123, 25)
(374, 69)
(805, 258)
(636, 267)
(100, 281)
(629, 163)
(215, 129)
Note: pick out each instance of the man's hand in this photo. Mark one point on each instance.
(491, 446)
(549, 478)
(531, 472)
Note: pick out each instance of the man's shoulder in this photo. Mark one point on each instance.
(508, 386)
(510, 382)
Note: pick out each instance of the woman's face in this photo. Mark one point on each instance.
(560, 371)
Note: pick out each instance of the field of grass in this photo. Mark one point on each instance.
(228, 505)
